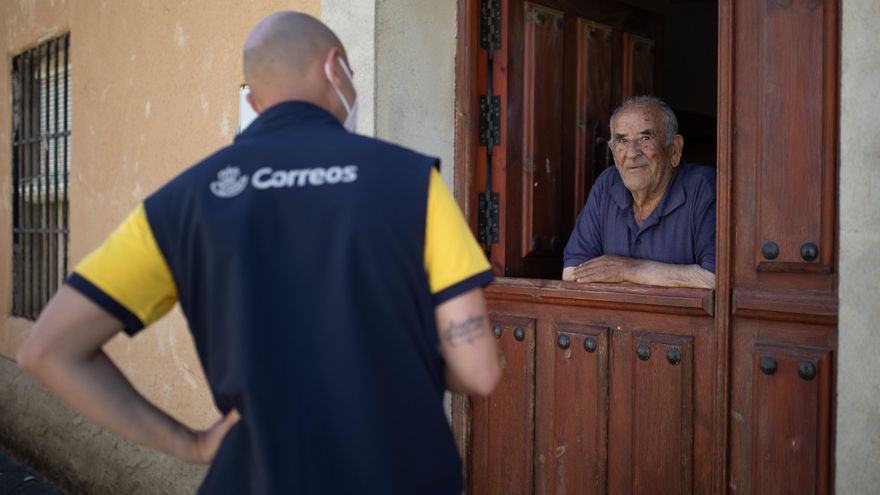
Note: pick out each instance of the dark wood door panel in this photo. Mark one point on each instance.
(593, 103)
(792, 401)
(785, 143)
(502, 425)
(572, 417)
(670, 415)
(792, 166)
(638, 68)
(780, 409)
(651, 446)
(541, 181)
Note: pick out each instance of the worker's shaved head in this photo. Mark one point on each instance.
(280, 51)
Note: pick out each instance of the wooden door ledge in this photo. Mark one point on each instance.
(624, 296)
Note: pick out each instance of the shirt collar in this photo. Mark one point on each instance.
(675, 195)
(288, 113)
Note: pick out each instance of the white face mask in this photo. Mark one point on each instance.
(350, 123)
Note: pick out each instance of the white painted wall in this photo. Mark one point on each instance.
(858, 382)
(415, 76)
(403, 54)
(354, 22)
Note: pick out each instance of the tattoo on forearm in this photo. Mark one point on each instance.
(465, 332)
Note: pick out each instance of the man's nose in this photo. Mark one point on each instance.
(632, 149)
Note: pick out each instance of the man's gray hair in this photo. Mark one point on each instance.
(669, 121)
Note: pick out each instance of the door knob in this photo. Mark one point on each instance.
(590, 344)
(809, 251)
(770, 250)
(673, 355)
(563, 341)
(497, 331)
(807, 370)
(643, 352)
(768, 365)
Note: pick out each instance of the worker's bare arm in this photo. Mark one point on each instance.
(467, 344)
(64, 351)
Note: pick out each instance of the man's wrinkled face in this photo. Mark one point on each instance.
(637, 143)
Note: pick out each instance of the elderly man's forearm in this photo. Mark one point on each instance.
(670, 275)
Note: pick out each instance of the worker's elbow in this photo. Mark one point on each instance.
(30, 355)
(34, 354)
(484, 383)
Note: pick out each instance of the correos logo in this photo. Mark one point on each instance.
(266, 177)
(231, 183)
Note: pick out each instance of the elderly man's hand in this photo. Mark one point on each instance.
(605, 268)
(612, 268)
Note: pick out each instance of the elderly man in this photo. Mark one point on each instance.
(649, 219)
(331, 284)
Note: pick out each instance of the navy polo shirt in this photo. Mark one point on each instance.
(308, 262)
(681, 230)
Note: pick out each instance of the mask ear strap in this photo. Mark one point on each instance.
(346, 70)
(338, 91)
(327, 71)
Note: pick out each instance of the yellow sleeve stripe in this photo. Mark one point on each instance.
(454, 261)
(130, 270)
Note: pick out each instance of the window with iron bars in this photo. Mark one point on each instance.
(40, 171)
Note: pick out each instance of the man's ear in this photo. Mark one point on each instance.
(332, 65)
(677, 147)
(253, 103)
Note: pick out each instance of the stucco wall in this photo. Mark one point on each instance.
(415, 76)
(403, 54)
(354, 22)
(154, 89)
(858, 383)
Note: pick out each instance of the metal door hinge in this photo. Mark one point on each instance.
(488, 218)
(490, 25)
(490, 120)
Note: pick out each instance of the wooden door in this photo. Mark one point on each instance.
(600, 394)
(503, 425)
(784, 71)
(560, 68)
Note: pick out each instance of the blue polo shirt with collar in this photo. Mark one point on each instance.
(681, 230)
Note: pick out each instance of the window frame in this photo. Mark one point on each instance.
(41, 111)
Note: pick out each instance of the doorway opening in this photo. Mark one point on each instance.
(546, 76)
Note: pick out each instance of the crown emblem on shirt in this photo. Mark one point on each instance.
(229, 182)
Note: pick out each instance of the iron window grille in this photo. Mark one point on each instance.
(40, 172)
